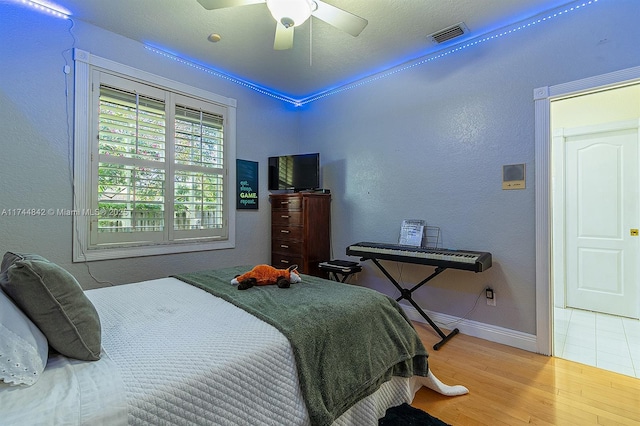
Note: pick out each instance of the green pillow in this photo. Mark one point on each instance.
(52, 298)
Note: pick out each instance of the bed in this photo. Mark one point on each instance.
(173, 351)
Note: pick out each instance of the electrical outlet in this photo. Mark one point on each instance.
(491, 296)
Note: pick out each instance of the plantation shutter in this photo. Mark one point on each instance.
(131, 171)
(161, 173)
(154, 164)
(199, 178)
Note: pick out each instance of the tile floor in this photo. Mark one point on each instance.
(605, 341)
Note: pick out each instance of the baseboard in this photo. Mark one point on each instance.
(493, 333)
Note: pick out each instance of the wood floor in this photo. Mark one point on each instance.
(509, 386)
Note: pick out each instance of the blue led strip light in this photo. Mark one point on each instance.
(432, 58)
(323, 94)
(222, 75)
(45, 8)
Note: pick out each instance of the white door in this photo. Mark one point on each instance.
(602, 218)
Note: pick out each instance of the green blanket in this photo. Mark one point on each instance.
(346, 340)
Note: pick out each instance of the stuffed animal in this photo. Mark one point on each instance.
(265, 275)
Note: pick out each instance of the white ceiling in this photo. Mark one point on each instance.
(322, 56)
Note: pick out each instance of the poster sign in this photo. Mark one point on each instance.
(247, 184)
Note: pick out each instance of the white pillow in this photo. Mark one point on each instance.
(23, 348)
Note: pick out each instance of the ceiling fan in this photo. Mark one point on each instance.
(291, 13)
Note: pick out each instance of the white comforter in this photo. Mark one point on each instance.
(174, 354)
(187, 357)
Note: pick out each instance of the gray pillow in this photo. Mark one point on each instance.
(52, 298)
(23, 347)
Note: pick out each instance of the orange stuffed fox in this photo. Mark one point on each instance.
(265, 275)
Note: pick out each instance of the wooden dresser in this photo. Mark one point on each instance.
(301, 231)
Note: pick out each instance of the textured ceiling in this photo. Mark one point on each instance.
(322, 56)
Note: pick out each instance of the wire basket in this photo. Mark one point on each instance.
(431, 238)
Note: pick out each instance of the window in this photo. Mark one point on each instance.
(154, 176)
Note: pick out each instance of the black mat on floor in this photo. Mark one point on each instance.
(406, 415)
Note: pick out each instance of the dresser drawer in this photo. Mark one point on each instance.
(286, 203)
(284, 232)
(288, 247)
(285, 218)
(282, 261)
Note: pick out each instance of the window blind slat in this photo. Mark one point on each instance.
(199, 138)
(198, 200)
(131, 195)
(131, 125)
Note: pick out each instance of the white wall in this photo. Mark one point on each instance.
(608, 106)
(36, 147)
(432, 146)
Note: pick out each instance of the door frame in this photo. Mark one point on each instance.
(542, 100)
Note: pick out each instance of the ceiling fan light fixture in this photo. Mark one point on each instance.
(290, 13)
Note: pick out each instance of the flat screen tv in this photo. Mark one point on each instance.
(299, 172)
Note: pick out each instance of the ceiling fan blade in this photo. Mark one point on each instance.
(339, 18)
(284, 37)
(221, 4)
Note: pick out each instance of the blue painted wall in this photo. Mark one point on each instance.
(430, 142)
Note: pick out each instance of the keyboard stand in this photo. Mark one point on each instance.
(406, 294)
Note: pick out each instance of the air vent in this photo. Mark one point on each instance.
(449, 33)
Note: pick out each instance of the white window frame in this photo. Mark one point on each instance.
(85, 65)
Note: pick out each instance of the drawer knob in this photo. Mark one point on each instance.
(284, 246)
(284, 231)
(284, 261)
(284, 216)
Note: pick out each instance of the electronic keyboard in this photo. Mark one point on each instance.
(443, 258)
